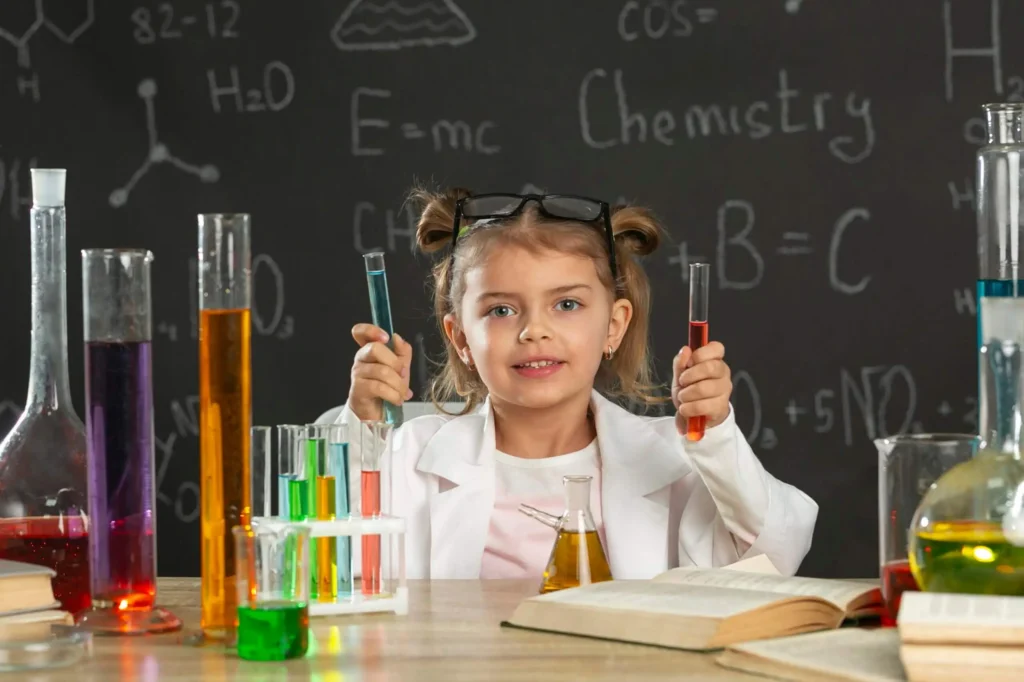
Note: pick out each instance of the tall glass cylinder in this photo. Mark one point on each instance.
(999, 190)
(225, 398)
(43, 489)
(118, 330)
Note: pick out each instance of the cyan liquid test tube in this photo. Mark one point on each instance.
(337, 467)
(380, 310)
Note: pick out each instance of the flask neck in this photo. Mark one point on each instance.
(1005, 123)
(577, 515)
(48, 386)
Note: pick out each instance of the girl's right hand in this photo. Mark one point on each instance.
(378, 373)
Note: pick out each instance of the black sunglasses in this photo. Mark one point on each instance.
(556, 206)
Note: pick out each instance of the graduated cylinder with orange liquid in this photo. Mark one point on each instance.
(225, 409)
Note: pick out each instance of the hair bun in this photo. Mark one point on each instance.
(437, 211)
(635, 229)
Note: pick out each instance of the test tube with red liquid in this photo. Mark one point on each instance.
(700, 278)
(374, 453)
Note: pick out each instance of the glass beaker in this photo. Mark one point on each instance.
(999, 189)
(968, 532)
(43, 488)
(118, 330)
(907, 467)
(577, 557)
(272, 568)
(225, 400)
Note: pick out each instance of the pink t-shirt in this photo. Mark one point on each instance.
(518, 546)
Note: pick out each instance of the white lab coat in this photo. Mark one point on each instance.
(665, 501)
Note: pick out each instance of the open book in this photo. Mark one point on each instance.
(701, 609)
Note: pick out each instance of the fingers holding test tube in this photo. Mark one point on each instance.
(378, 372)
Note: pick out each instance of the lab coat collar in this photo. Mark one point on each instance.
(638, 465)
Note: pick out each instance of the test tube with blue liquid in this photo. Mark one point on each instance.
(380, 310)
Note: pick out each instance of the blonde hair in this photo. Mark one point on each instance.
(636, 232)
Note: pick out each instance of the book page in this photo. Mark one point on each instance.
(839, 592)
(959, 610)
(755, 564)
(850, 653)
(652, 597)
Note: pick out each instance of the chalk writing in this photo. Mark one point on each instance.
(278, 324)
(740, 264)
(962, 197)
(21, 21)
(398, 225)
(657, 19)
(758, 435)
(276, 91)
(992, 51)
(184, 499)
(755, 120)
(158, 152)
(882, 400)
(16, 186)
(163, 23)
(389, 25)
(445, 134)
(965, 302)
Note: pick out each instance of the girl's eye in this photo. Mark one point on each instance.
(568, 305)
(500, 311)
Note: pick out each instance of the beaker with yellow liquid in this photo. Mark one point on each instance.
(577, 557)
(968, 532)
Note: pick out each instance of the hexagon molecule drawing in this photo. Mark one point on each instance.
(20, 20)
(157, 152)
(398, 24)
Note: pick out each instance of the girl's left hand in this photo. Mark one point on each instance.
(701, 385)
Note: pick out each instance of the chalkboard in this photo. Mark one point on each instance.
(818, 154)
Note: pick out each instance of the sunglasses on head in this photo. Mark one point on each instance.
(555, 206)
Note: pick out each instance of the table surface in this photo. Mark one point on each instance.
(452, 633)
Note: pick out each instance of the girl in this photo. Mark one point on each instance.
(545, 312)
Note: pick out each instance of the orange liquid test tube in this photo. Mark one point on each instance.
(700, 279)
(225, 406)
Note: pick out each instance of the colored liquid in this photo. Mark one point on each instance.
(326, 548)
(282, 495)
(299, 509)
(1001, 288)
(698, 339)
(225, 397)
(119, 426)
(60, 544)
(339, 455)
(896, 579)
(968, 557)
(274, 631)
(370, 507)
(380, 311)
(576, 559)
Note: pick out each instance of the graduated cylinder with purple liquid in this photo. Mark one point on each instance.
(119, 429)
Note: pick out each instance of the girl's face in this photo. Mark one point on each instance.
(535, 325)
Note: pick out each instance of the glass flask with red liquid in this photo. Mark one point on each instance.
(43, 489)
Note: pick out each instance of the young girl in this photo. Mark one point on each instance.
(545, 312)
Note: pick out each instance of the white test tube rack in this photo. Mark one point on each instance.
(387, 527)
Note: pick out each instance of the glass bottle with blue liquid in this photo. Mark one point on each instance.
(999, 202)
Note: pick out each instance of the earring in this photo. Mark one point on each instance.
(609, 354)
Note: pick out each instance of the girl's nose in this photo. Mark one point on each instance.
(535, 329)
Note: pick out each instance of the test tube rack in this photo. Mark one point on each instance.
(386, 527)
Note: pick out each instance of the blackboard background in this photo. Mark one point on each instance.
(844, 357)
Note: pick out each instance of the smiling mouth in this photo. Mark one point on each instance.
(539, 364)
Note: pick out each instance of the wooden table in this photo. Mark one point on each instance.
(452, 633)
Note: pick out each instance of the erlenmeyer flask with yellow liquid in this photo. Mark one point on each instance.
(577, 557)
